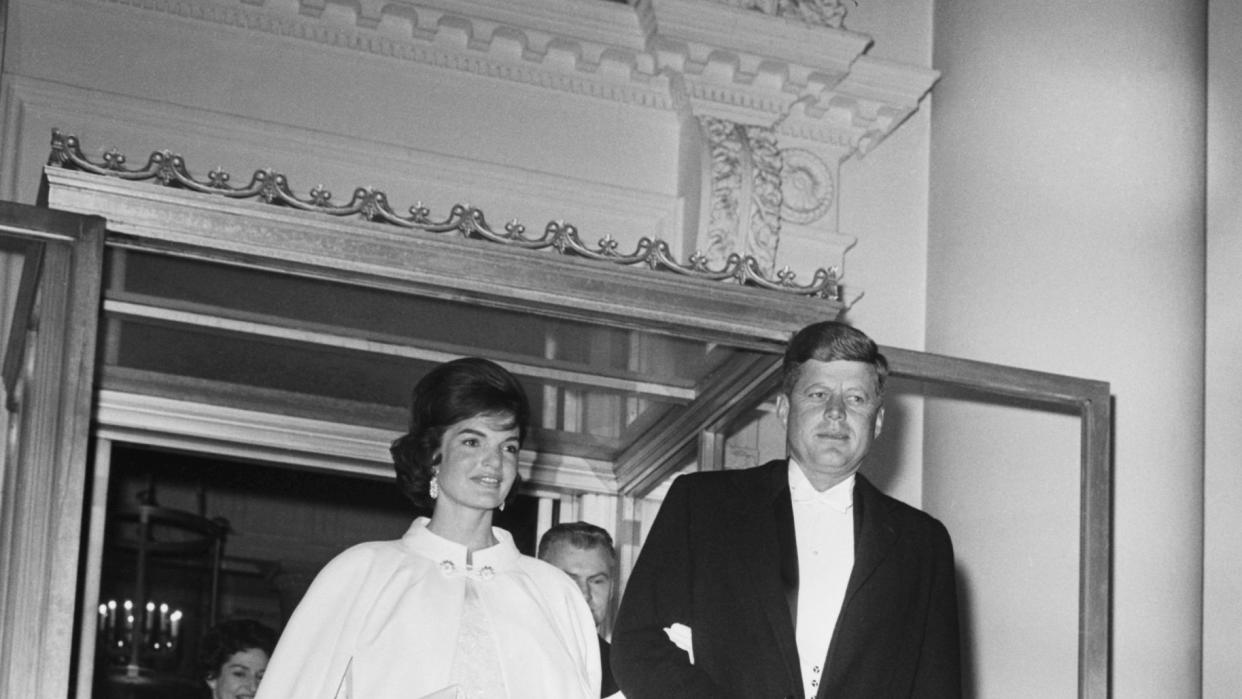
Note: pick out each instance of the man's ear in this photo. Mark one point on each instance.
(879, 421)
(782, 409)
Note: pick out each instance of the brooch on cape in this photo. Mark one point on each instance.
(448, 569)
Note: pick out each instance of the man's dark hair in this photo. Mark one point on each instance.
(580, 535)
(829, 341)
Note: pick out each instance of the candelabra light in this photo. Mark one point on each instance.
(158, 632)
(140, 633)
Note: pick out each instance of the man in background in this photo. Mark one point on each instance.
(586, 554)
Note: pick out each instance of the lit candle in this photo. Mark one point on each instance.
(176, 626)
(148, 620)
(111, 623)
(102, 623)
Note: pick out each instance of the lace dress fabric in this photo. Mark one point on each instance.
(476, 662)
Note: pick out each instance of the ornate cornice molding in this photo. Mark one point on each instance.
(576, 51)
(704, 57)
(805, 80)
(266, 185)
(698, 36)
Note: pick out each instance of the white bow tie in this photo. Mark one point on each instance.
(841, 501)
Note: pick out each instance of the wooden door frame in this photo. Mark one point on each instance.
(49, 368)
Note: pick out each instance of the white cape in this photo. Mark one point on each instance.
(381, 619)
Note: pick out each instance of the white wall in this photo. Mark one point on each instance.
(1067, 235)
(884, 205)
(1222, 594)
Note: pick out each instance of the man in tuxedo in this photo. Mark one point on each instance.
(797, 578)
(586, 554)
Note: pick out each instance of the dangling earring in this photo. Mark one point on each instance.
(434, 489)
(502, 505)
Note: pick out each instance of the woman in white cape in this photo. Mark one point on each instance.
(451, 609)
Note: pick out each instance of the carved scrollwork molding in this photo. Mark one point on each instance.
(763, 230)
(755, 185)
(724, 147)
(271, 187)
(826, 13)
(744, 214)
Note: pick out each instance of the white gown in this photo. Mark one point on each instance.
(382, 621)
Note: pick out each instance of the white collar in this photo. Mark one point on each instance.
(840, 496)
(451, 556)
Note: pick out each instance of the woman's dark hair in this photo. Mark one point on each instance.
(454, 391)
(829, 341)
(226, 638)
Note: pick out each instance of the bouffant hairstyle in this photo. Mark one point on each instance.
(229, 637)
(829, 341)
(454, 391)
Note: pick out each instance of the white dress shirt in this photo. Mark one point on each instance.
(824, 530)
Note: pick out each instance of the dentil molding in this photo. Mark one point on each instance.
(726, 59)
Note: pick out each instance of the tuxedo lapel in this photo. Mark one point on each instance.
(768, 555)
(787, 542)
(874, 535)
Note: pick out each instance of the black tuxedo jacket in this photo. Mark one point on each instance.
(608, 685)
(721, 558)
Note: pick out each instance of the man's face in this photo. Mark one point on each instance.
(831, 417)
(591, 569)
